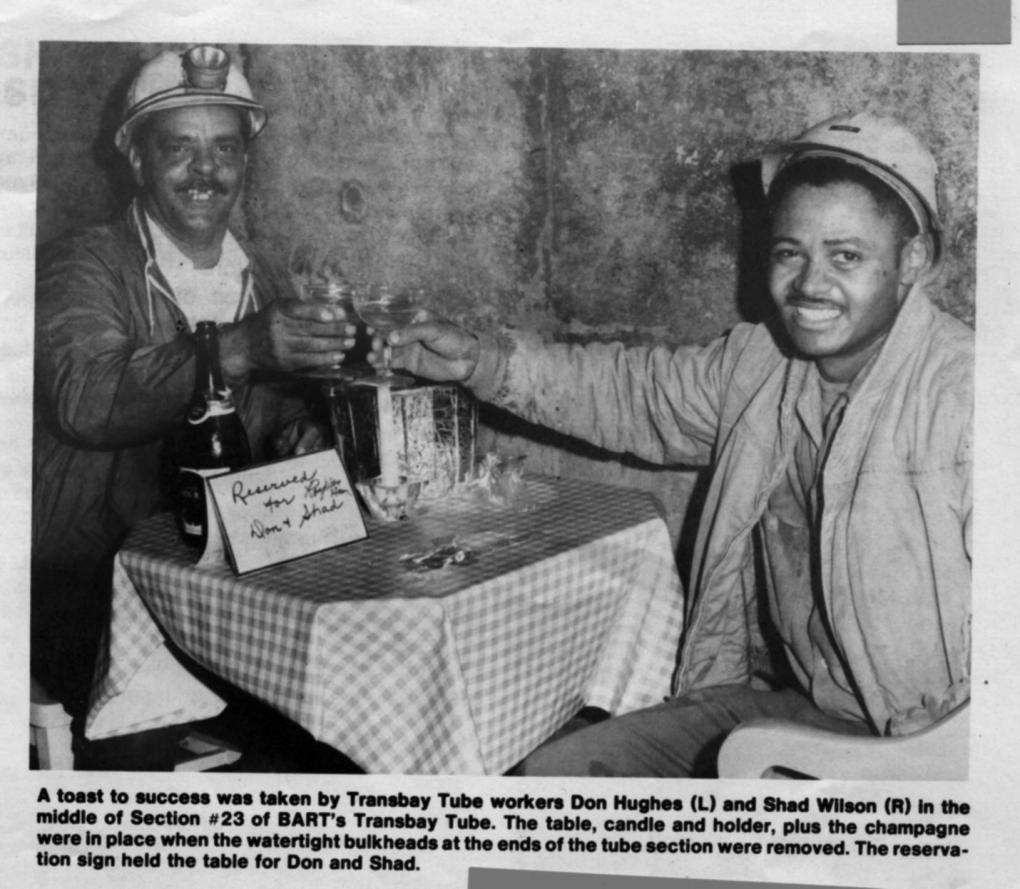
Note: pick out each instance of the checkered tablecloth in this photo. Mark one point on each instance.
(457, 670)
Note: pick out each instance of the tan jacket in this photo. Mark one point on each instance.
(895, 535)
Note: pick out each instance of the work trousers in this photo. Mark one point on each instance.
(679, 738)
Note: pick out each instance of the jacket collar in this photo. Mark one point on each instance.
(910, 331)
(157, 285)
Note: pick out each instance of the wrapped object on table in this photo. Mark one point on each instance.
(435, 430)
(501, 481)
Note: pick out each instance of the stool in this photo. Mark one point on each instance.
(774, 748)
(49, 729)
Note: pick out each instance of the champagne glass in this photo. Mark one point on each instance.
(332, 291)
(385, 308)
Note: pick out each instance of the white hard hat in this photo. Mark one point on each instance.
(881, 145)
(202, 75)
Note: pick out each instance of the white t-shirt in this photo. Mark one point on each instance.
(202, 294)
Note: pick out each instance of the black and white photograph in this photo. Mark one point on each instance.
(445, 455)
(665, 266)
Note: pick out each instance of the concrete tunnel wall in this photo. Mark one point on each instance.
(587, 194)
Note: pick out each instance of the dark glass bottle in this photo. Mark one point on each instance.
(211, 440)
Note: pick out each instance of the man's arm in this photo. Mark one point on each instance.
(102, 382)
(107, 383)
(659, 404)
(286, 335)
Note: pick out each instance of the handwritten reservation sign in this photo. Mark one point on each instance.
(283, 510)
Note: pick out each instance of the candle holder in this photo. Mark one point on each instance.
(389, 503)
(435, 430)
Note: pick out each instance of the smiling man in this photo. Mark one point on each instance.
(845, 251)
(190, 163)
(116, 307)
(831, 572)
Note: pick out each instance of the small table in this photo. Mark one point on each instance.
(462, 669)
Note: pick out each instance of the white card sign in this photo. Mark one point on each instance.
(283, 510)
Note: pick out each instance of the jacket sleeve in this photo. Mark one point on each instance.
(104, 380)
(661, 405)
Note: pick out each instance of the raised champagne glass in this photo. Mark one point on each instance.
(384, 309)
(333, 292)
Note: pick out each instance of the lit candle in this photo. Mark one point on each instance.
(388, 472)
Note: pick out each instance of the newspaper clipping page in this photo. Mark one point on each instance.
(689, 514)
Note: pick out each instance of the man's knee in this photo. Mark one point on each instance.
(601, 750)
(679, 738)
(662, 741)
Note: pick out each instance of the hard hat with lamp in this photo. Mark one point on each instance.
(201, 75)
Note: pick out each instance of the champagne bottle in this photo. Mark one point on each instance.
(211, 440)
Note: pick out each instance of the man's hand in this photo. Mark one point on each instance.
(286, 335)
(301, 436)
(435, 349)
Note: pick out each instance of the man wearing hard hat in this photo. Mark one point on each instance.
(116, 307)
(831, 572)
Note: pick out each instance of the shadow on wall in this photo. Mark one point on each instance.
(119, 181)
(752, 294)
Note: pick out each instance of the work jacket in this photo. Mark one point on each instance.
(113, 375)
(894, 539)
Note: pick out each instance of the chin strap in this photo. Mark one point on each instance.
(153, 277)
(249, 301)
